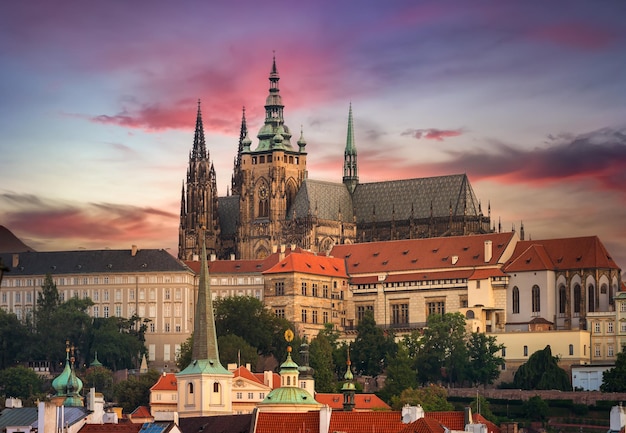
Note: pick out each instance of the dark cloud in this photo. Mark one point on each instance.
(432, 133)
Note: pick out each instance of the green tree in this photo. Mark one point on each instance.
(432, 398)
(118, 341)
(14, 338)
(542, 371)
(401, 373)
(321, 359)
(481, 405)
(614, 379)
(371, 347)
(100, 378)
(441, 350)
(135, 391)
(235, 350)
(484, 364)
(183, 357)
(535, 409)
(21, 382)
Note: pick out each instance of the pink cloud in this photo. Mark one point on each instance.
(433, 133)
(576, 35)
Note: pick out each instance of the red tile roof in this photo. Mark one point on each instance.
(361, 401)
(361, 422)
(424, 425)
(453, 420)
(141, 412)
(275, 422)
(482, 274)
(111, 428)
(275, 379)
(567, 253)
(310, 264)
(166, 382)
(420, 254)
(247, 374)
(491, 427)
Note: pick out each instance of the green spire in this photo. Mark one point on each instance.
(350, 169)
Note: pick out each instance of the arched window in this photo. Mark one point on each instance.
(562, 299)
(515, 300)
(288, 380)
(190, 388)
(591, 298)
(216, 387)
(577, 299)
(536, 295)
(469, 314)
(571, 349)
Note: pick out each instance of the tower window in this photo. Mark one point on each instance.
(216, 387)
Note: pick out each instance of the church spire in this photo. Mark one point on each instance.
(350, 174)
(199, 145)
(237, 178)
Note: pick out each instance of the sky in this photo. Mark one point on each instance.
(98, 103)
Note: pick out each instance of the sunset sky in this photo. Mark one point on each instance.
(98, 104)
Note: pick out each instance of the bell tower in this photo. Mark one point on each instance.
(271, 175)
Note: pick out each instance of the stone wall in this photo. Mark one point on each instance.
(581, 397)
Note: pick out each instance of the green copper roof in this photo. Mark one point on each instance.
(350, 147)
(290, 395)
(205, 366)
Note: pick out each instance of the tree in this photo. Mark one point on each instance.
(118, 341)
(484, 365)
(481, 405)
(432, 398)
(542, 371)
(371, 347)
(614, 379)
(21, 382)
(183, 357)
(235, 350)
(401, 373)
(135, 391)
(321, 359)
(441, 350)
(535, 409)
(14, 337)
(100, 378)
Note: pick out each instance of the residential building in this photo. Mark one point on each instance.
(149, 283)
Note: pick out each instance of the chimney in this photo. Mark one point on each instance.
(411, 413)
(488, 251)
(212, 257)
(232, 257)
(293, 247)
(268, 378)
(16, 260)
(325, 414)
(282, 248)
(133, 250)
(274, 248)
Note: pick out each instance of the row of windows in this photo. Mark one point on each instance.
(262, 159)
(578, 303)
(85, 281)
(400, 311)
(97, 295)
(167, 352)
(236, 281)
(239, 396)
(412, 283)
(315, 316)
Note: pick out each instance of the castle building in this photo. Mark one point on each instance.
(273, 202)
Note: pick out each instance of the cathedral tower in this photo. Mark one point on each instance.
(271, 175)
(198, 206)
(350, 173)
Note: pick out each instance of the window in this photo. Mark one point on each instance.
(610, 351)
(571, 349)
(592, 298)
(96, 311)
(177, 327)
(250, 395)
(152, 294)
(106, 280)
(118, 295)
(325, 317)
(622, 307)
(152, 312)
(152, 327)
(304, 289)
(399, 314)
(622, 327)
(536, 299)
(279, 288)
(304, 316)
(177, 310)
(105, 295)
(216, 387)
(166, 294)
(577, 299)
(167, 310)
(131, 295)
(478, 284)
(142, 294)
(515, 300)
(436, 307)
(118, 311)
(190, 388)
(96, 295)
(609, 327)
(314, 289)
(18, 297)
(105, 311)
(325, 290)
(361, 309)
(503, 352)
(314, 316)
(262, 395)
(525, 350)
(562, 299)
(280, 312)
(596, 327)
(167, 327)
(596, 351)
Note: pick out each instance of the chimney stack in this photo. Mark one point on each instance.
(16, 260)
(133, 250)
(488, 251)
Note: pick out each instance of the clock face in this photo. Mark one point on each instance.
(263, 192)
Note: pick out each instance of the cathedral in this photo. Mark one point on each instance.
(273, 202)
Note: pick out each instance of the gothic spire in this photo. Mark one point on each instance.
(204, 335)
(199, 145)
(237, 178)
(350, 169)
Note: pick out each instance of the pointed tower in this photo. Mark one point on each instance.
(350, 173)
(205, 386)
(289, 397)
(348, 389)
(199, 205)
(237, 179)
(305, 371)
(67, 385)
(271, 176)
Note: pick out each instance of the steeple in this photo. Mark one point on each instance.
(350, 173)
(237, 179)
(348, 389)
(199, 145)
(274, 134)
(67, 385)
